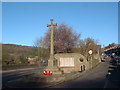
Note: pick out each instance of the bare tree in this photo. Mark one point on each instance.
(64, 39)
(88, 44)
(42, 51)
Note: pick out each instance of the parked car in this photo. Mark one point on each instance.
(113, 59)
(118, 60)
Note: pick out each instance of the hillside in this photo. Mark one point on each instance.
(17, 54)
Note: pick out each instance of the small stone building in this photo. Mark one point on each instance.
(69, 62)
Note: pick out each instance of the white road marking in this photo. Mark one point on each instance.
(107, 81)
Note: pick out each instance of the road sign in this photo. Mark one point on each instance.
(90, 52)
(47, 73)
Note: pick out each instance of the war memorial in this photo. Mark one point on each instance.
(68, 66)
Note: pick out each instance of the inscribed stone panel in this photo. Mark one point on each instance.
(67, 62)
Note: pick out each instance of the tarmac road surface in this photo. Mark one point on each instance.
(95, 78)
(16, 74)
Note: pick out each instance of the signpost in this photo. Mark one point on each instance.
(90, 52)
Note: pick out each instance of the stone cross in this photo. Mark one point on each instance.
(50, 61)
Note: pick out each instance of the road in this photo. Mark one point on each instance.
(105, 75)
(96, 78)
(6, 77)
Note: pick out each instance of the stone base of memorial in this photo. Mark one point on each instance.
(56, 76)
(38, 79)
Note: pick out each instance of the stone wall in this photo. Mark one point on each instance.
(96, 59)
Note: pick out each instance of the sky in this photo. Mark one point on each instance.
(24, 22)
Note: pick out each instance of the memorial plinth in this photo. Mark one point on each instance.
(53, 69)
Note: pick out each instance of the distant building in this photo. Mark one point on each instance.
(33, 60)
(114, 49)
